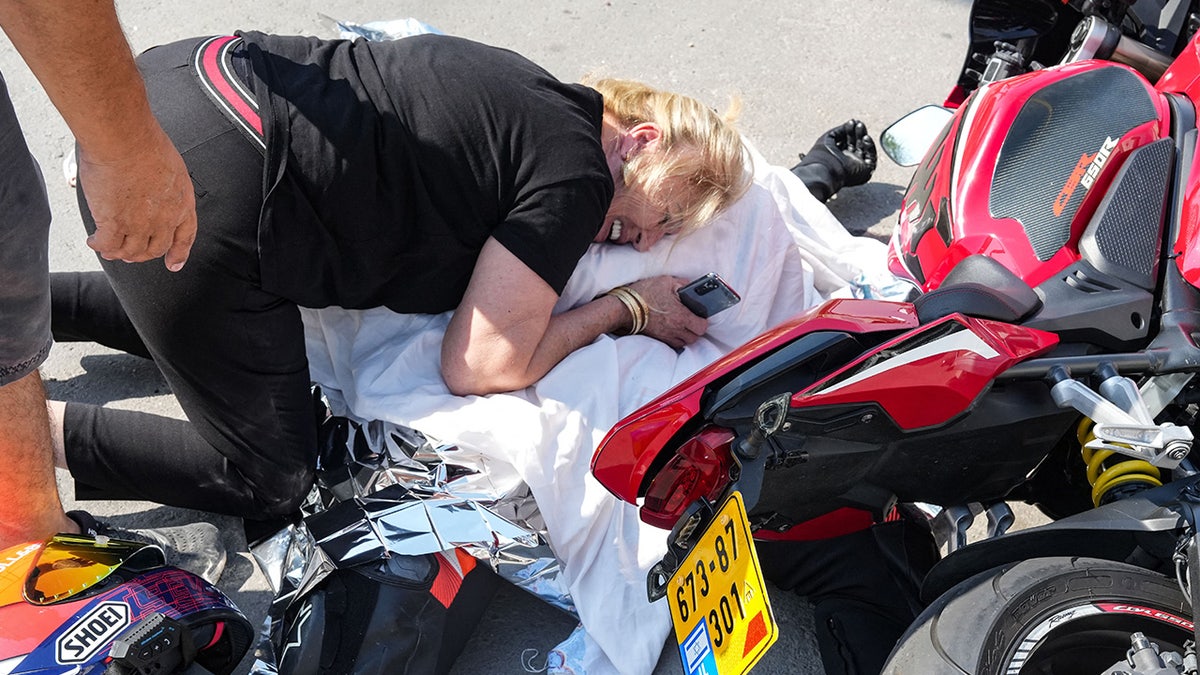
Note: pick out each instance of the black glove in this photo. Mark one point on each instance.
(844, 156)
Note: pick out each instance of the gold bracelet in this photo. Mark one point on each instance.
(639, 311)
(631, 306)
(643, 309)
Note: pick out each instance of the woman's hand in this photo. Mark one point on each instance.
(669, 320)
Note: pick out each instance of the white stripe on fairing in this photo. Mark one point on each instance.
(960, 148)
(962, 341)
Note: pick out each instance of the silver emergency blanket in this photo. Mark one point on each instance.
(384, 489)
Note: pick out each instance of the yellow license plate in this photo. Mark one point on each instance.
(718, 601)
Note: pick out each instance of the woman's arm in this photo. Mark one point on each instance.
(503, 337)
(137, 186)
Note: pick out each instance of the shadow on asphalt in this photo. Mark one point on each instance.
(864, 210)
(107, 378)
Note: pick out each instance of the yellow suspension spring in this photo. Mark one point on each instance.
(1104, 475)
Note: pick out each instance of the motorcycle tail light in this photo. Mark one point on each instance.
(699, 470)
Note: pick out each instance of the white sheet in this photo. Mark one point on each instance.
(778, 247)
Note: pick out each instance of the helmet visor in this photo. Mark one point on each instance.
(72, 564)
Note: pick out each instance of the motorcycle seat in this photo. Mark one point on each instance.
(980, 287)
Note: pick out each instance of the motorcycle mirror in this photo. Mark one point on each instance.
(908, 139)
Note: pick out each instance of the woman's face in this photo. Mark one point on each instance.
(633, 219)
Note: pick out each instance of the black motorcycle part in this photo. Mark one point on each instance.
(855, 455)
(1058, 487)
(1044, 26)
(979, 286)
(1143, 529)
(382, 618)
(933, 218)
(790, 368)
(1120, 250)
(1084, 305)
(1124, 237)
(1047, 615)
(1054, 128)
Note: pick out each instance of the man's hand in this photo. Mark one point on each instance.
(135, 181)
(144, 205)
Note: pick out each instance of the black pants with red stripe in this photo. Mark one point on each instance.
(232, 353)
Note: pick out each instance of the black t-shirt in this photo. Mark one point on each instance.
(389, 164)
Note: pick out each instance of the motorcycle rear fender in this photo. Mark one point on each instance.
(644, 438)
(1111, 532)
(924, 377)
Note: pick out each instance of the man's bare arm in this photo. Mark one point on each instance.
(135, 181)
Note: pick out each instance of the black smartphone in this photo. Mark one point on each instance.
(708, 295)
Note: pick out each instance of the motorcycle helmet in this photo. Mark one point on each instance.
(83, 604)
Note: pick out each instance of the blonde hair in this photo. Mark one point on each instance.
(700, 168)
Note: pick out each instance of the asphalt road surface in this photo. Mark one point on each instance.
(798, 69)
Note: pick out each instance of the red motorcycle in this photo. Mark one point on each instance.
(1053, 231)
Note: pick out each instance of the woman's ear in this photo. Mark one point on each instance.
(644, 136)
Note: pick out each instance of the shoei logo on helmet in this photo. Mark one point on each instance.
(91, 633)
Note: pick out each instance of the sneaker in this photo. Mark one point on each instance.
(195, 547)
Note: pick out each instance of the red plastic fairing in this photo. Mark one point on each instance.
(948, 212)
(926, 382)
(955, 98)
(926, 203)
(1187, 245)
(836, 523)
(630, 448)
(1183, 77)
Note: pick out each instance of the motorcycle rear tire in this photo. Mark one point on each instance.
(1054, 615)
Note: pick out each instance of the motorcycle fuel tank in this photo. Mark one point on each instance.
(1021, 168)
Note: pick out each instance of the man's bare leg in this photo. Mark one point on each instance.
(31, 507)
